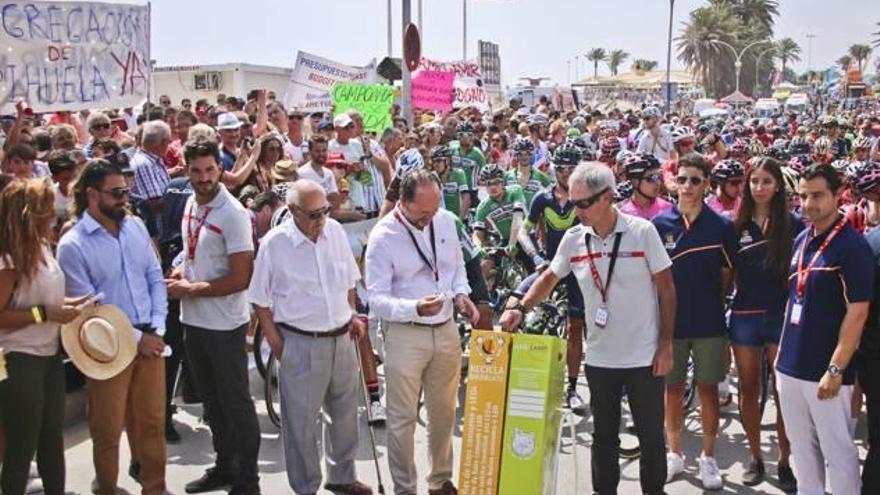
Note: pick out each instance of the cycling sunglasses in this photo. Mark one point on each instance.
(585, 203)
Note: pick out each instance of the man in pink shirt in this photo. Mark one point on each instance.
(643, 172)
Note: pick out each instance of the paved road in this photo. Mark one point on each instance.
(187, 460)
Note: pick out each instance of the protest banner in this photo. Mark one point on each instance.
(432, 90)
(373, 101)
(313, 77)
(73, 55)
(468, 82)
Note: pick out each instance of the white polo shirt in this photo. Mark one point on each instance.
(226, 230)
(312, 293)
(629, 339)
(326, 180)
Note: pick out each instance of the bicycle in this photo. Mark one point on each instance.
(271, 392)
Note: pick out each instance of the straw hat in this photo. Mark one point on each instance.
(284, 171)
(100, 341)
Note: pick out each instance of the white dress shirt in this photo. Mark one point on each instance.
(305, 284)
(397, 276)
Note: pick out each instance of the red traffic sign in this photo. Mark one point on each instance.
(412, 47)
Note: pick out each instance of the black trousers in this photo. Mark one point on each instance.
(218, 362)
(869, 377)
(32, 417)
(174, 339)
(645, 393)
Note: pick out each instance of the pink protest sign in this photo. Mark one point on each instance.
(432, 90)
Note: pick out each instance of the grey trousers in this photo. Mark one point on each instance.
(318, 373)
(421, 358)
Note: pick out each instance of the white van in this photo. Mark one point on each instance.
(797, 103)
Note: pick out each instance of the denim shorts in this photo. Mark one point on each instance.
(755, 329)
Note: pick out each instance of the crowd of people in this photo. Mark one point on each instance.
(725, 242)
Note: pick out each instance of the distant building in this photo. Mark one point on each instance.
(208, 81)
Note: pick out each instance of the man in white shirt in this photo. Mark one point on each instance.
(654, 140)
(218, 255)
(372, 181)
(415, 273)
(315, 171)
(306, 311)
(626, 280)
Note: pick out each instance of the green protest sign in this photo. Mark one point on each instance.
(373, 101)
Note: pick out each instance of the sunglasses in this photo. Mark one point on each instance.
(101, 126)
(315, 214)
(563, 168)
(585, 203)
(654, 177)
(686, 142)
(117, 192)
(694, 180)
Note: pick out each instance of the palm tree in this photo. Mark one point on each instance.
(596, 55)
(843, 62)
(614, 59)
(641, 64)
(754, 13)
(860, 53)
(788, 51)
(877, 34)
(698, 49)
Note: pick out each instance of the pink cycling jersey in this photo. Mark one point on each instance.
(659, 206)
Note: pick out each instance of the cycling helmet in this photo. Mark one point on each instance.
(465, 128)
(790, 179)
(651, 112)
(828, 120)
(623, 191)
(726, 170)
(408, 161)
(523, 144)
(866, 177)
(799, 163)
(799, 146)
(566, 154)
(621, 155)
(579, 122)
(682, 133)
(572, 133)
(538, 119)
(755, 148)
(822, 146)
(491, 172)
(580, 142)
(738, 149)
(441, 151)
(861, 143)
(610, 147)
(635, 165)
(840, 165)
(856, 217)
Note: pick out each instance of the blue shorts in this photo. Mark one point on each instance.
(755, 329)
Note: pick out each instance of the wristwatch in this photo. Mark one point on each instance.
(518, 307)
(834, 370)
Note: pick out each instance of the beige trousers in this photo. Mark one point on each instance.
(421, 358)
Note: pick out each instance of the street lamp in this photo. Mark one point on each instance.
(758, 64)
(669, 59)
(739, 55)
(576, 57)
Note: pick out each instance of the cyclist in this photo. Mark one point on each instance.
(643, 172)
(728, 177)
(553, 210)
(528, 178)
(765, 231)
(453, 182)
(469, 158)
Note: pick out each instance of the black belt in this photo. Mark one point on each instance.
(307, 333)
(429, 325)
(145, 328)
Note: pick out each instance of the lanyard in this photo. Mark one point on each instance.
(597, 280)
(803, 274)
(435, 268)
(192, 238)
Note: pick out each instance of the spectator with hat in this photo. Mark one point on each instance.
(33, 309)
(229, 129)
(110, 252)
(360, 152)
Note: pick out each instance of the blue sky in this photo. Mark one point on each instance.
(536, 37)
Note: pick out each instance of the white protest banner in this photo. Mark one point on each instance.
(468, 82)
(73, 55)
(313, 77)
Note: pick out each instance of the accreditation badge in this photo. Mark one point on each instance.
(796, 309)
(601, 316)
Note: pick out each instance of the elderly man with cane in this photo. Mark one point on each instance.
(306, 310)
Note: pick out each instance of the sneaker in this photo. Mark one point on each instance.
(575, 403)
(377, 414)
(710, 476)
(134, 470)
(212, 480)
(754, 475)
(674, 465)
(787, 481)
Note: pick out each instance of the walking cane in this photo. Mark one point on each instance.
(363, 388)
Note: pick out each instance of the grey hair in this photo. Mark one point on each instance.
(154, 132)
(298, 188)
(596, 176)
(390, 133)
(97, 118)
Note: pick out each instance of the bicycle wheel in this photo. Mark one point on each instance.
(261, 350)
(690, 386)
(270, 391)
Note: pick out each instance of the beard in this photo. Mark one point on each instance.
(207, 188)
(115, 213)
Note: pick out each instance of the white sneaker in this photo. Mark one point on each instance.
(709, 473)
(377, 414)
(674, 465)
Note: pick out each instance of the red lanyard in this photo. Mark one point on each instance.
(192, 238)
(435, 268)
(597, 279)
(802, 274)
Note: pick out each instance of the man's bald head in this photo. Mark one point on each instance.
(306, 195)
